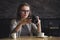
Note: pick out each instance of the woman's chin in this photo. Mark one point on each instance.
(24, 17)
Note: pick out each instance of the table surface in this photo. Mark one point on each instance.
(33, 38)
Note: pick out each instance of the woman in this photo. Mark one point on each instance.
(24, 24)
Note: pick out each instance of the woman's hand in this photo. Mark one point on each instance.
(21, 22)
(25, 21)
(38, 20)
(39, 24)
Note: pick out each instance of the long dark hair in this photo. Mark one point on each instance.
(19, 8)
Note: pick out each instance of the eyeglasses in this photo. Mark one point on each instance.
(24, 10)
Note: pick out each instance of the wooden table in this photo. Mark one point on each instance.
(33, 38)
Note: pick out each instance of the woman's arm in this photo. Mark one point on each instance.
(21, 22)
(36, 28)
(15, 26)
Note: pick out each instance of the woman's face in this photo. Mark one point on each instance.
(25, 10)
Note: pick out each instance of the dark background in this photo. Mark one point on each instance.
(47, 10)
(43, 8)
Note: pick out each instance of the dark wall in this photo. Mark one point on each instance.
(8, 8)
(4, 27)
(43, 8)
(48, 11)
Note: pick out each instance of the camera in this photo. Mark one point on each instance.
(34, 19)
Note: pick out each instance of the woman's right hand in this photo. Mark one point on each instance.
(25, 21)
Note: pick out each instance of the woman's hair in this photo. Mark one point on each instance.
(19, 8)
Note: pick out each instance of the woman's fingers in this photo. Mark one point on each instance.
(25, 21)
(38, 19)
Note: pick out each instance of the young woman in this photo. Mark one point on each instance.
(25, 24)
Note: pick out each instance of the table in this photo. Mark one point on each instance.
(33, 38)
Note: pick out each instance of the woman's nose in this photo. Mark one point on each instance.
(25, 12)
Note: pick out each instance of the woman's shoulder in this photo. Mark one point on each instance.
(13, 20)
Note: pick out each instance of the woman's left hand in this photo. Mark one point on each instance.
(38, 20)
(39, 24)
